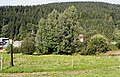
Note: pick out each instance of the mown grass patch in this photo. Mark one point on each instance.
(48, 63)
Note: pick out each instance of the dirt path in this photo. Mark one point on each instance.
(113, 53)
(43, 73)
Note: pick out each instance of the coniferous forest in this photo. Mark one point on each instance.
(55, 27)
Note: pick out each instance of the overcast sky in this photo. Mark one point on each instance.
(36, 2)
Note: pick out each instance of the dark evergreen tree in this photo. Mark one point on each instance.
(41, 37)
(70, 31)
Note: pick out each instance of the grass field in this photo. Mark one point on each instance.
(61, 66)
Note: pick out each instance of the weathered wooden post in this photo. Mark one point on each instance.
(11, 51)
(72, 61)
(1, 61)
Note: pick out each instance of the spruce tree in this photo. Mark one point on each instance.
(52, 31)
(41, 37)
(68, 21)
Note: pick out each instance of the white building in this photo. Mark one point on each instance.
(3, 42)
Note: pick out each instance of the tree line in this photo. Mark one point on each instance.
(57, 26)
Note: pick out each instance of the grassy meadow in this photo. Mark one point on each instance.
(61, 66)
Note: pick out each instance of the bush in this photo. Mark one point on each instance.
(28, 45)
(113, 47)
(118, 44)
(98, 43)
(15, 49)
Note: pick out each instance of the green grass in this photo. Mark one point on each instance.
(61, 65)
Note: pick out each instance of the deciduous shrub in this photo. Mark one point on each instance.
(98, 43)
(118, 44)
(15, 49)
(28, 45)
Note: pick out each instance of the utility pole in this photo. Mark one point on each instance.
(11, 51)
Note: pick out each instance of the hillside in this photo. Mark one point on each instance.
(94, 17)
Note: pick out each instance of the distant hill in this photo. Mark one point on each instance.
(94, 17)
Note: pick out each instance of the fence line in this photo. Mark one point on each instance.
(1, 61)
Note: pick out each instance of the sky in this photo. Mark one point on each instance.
(37, 2)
